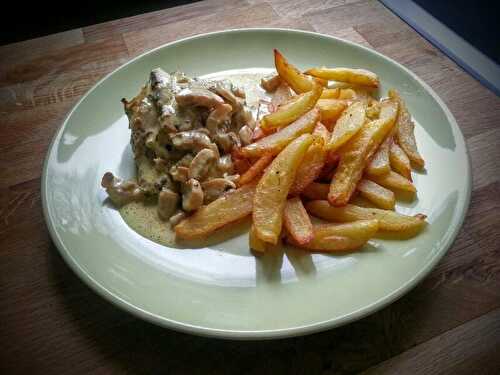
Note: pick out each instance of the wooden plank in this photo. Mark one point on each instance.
(470, 348)
(299, 8)
(29, 49)
(484, 151)
(161, 17)
(249, 16)
(349, 15)
(58, 75)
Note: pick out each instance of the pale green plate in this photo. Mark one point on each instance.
(224, 291)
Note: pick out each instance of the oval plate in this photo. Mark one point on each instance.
(223, 290)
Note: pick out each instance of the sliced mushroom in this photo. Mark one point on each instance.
(227, 141)
(192, 195)
(239, 92)
(236, 103)
(121, 192)
(191, 141)
(179, 173)
(177, 218)
(201, 164)
(245, 134)
(186, 160)
(225, 164)
(219, 117)
(271, 83)
(198, 97)
(242, 118)
(214, 188)
(167, 203)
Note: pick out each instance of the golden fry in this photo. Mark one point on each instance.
(313, 162)
(347, 94)
(330, 93)
(270, 84)
(340, 237)
(355, 154)
(316, 191)
(377, 194)
(297, 221)
(331, 110)
(276, 142)
(393, 180)
(355, 76)
(256, 169)
(232, 206)
(387, 220)
(255, 242)
(405, 135)
(379, 164)
(349, 123)
(298, 81)
(273, 188)
(285, 115)
(400, 161)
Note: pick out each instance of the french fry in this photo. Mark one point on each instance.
(387, 220)
(280, 97)
(349, 94)
(331, 110)
(349, 123)
(392, 181)
(313, 162)
(356, 76)
(256, 169)
(332, 160)
(355, 154)
(379, 164)
(330, 93)
(405, 135)
(273, 188)
(298, 81)
(400, 161)
(377, 194)
(274, 143)
(255, 242)
(316, 191)
(340, 237)
(297, 221)
(241, 166)
(285, 115)
(364, 229)
(230, 207)
(373, 110)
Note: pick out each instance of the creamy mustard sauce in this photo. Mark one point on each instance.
(143, 217)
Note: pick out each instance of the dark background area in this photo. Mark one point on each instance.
(476, 21)
(30, 19)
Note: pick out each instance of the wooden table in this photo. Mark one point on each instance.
(51, 323)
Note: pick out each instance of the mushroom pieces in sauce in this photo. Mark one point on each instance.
(182, 134)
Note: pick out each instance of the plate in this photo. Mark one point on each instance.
(222, 290)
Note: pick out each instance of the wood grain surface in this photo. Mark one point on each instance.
(51, 323)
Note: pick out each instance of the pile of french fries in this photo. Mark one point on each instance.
(328, 149)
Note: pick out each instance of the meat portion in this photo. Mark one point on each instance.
(183, 131)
